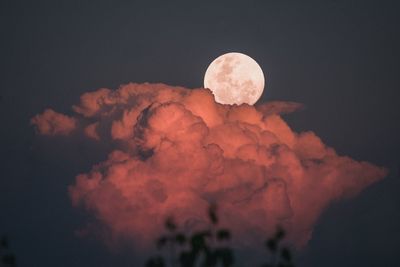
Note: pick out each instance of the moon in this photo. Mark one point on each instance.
(235, 78)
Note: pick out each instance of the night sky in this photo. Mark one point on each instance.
(339, 58)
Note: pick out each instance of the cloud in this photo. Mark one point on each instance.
(53, 123)
(176, 150)
(279, 107)
(91, 131)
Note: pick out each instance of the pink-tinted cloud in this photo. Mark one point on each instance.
(53, 123)
(91, 131)
(279, 107)
(178, 150)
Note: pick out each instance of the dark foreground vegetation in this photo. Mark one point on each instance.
(7, 258)
(210, 247)
(205, 248)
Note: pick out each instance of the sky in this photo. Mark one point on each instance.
(338, 58)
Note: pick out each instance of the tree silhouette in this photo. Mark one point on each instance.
(7, 257)
(208, 247)
(279, 256)
(204, 248)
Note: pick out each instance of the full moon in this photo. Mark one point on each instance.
(235, 78)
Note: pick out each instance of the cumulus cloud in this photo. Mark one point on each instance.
(53, 123)
(279, 107)
(176, 150)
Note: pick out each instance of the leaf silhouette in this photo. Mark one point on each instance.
(272, 245)
(180, 238)
(225, 255)
(212, 213)
(198, 241)
(286, 255)
(210, 259)
(223, 234)
(155, 262)
(187, 258)
(9, 259)
(161, 242)
(170, 224)
(4, 242)
(280, 234)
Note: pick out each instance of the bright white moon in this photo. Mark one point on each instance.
(235, 78)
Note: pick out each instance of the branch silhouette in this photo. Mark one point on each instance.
(7, 258)
(209, 247)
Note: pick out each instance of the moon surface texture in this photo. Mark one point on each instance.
(235, 78)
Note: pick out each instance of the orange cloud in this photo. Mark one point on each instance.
(178, 150)
(279, 107)
(53, 123)
(91, 131)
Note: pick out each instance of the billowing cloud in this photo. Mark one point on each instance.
(279, 107)
(176, 150)
(53, 123)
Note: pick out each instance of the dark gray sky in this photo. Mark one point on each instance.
(339, 58)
